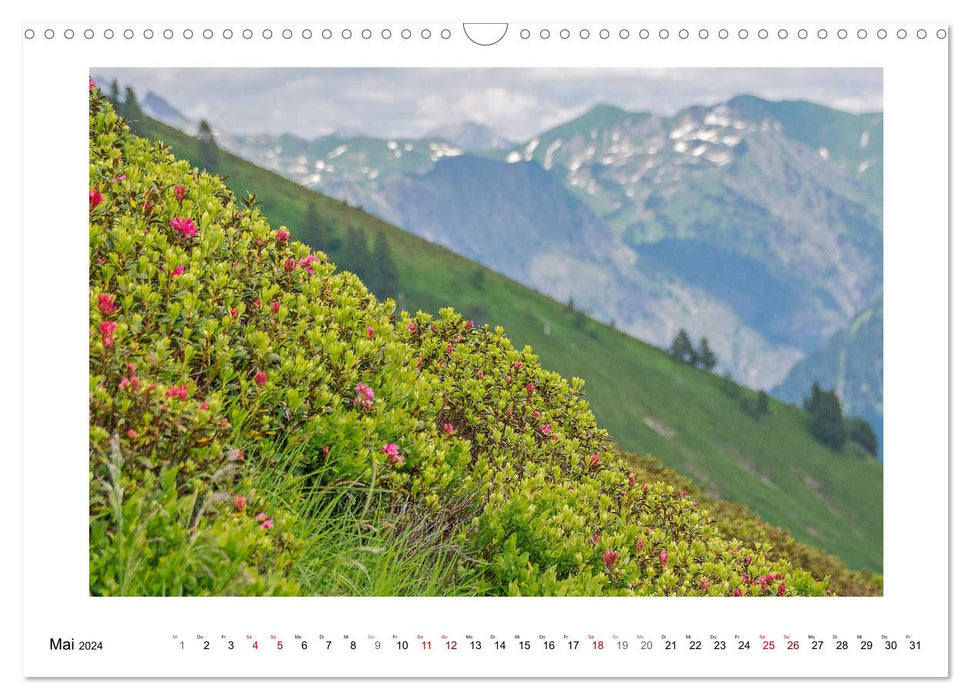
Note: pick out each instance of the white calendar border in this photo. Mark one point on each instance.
(51, 592)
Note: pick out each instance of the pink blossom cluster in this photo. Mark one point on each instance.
(307, 263)
(609, 558)
(107, 330)
(365, 395)
(106, 304)
(131, 380)
(180, 392)
(187, 227)
(266, 522)
(94, 199)
(391, 450)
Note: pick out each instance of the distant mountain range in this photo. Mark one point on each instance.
(757, 224)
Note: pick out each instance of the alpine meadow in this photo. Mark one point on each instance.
(261, 423)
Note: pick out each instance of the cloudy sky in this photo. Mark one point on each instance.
(516, 103)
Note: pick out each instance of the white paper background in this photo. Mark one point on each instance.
(55, 543)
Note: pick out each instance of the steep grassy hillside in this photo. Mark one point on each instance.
(261, 424)
(693, 421)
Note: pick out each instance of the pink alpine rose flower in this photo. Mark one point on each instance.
(448, 428)
(275, 307)
(239, 502)
(546, 429)
(307, 262)
(107, 330)
(663, 556)
(267, 524)
(187, 227)
(391, 450)
(94, 199)
(283, 235)
(639, 546)
(178, 271)
(609, 558)
(370, 333)
(289, 265)
(596, 539)
(260, 378)
(106, 304)
(179, 191)
(178, 392)
(91, 85)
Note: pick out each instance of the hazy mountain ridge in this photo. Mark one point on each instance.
(757, 224)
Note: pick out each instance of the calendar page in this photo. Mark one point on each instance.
(449, 348)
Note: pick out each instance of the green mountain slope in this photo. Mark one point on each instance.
(259, 423)
(757, 224)
(691, 420)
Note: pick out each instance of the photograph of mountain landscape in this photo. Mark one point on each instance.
(429, 332)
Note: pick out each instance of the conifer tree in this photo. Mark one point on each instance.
(478, 278)
(313, 228)
(132, 111)
(681, 349)
(810, 403)
(331, 236)
(208, 150)
(706, 357)
(115, 94)
(384, 273)
(826, 418)
(762, 403)
(860, 432)
(357, 256)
